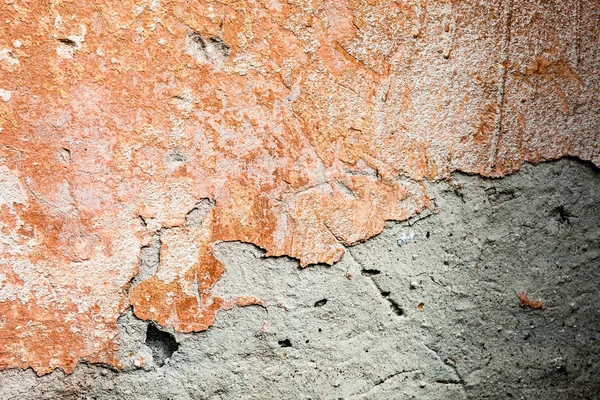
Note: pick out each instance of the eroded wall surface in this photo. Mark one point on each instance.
(135, 136)
(427, 310)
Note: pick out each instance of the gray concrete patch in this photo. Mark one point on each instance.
(426, 310)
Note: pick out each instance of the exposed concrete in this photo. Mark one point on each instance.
(298, 126)
(335, 333)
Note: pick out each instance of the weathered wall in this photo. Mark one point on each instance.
(136, 136)
(426, 310)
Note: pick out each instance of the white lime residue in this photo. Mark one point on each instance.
(406, 238)
(5, 95)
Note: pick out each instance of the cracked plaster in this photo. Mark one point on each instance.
(306, 124)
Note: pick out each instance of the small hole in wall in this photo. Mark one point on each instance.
(162, 344)
(370, 272)
(219, 44)
(561, 214)
(321, 303)
(396, 309)
(68, 42)
(285, 343)
(65, 156)
(428, 235)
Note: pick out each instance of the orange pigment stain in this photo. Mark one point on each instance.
(117, 126)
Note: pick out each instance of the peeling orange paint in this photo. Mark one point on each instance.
(308, 123)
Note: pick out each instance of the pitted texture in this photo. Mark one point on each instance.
(298, 126)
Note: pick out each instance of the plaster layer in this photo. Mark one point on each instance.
(304, 126)
(461, 332)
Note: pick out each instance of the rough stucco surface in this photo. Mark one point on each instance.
(154, 130)
(461, 333)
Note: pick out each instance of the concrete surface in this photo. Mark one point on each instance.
(428, 309)
(299, 126)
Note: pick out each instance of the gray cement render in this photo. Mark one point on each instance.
(426, 310)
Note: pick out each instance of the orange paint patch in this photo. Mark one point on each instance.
(308, 126)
